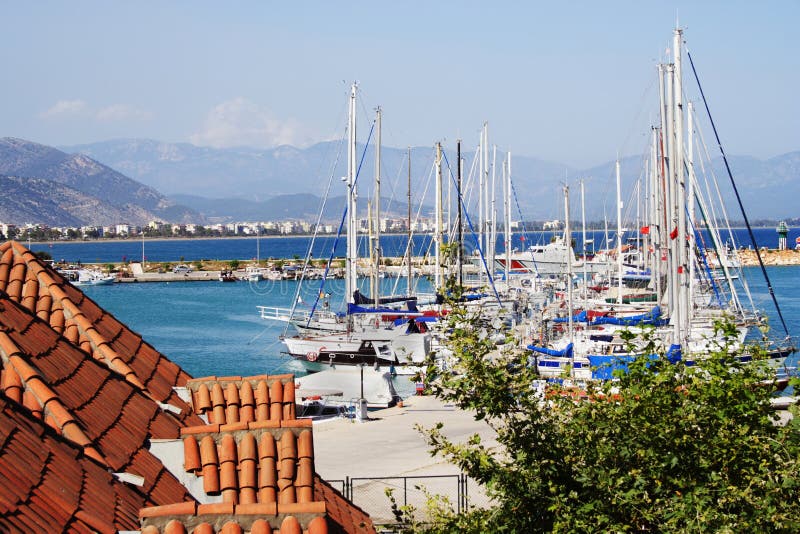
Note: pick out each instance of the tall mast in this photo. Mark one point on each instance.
(493, 213)
(654, 235)
(375, 221)
(507, 221)
(690, 205)
(410, 241)
(351, 263)
(583, 238)
(619, 236)
(680, 200)
(568, 232)
(672, 260)
(437, 238)
(459, 218)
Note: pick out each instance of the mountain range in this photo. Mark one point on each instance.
(234, 182)
(41, 184)
(135, 181)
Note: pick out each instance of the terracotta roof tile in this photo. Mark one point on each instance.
(98, 385)
(69, 311)
(290, 525)
(113, 421)
(46, 485)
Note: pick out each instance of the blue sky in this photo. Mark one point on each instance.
(572, 82)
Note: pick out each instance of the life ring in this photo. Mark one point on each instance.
(311, 356)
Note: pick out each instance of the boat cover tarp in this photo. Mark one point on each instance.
(603, 366)
(566, 352)
(422, 319)
(581, 317)
(649, 318)
(353, 309)
(360, 298)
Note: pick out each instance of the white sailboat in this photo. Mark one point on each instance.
(368, 338)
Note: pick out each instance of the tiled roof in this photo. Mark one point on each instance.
(257, 462)
(227, 518)
(48, 485)
(45, 293)
(260, 460)
(82, 396)
(233, 399)
(83, 400)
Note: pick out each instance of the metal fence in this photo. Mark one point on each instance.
(369, 493)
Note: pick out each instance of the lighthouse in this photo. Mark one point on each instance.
(783, 231)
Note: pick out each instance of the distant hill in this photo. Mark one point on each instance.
(83, 189)
(236, 181)
(260, 174)
(282, 207)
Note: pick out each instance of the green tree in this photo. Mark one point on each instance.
(233, 264)
(665, 447)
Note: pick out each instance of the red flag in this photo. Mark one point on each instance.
(673, 234)
(680, 269)
(645, 230)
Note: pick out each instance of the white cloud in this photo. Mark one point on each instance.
(64, 107)
(240, 122)
(121, 112)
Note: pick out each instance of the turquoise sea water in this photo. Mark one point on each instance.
(213, 328)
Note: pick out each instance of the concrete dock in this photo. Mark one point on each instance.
(388, 444)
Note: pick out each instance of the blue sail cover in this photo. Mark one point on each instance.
(567, 352)
(603, 366)
(577, 318)
(649, 318)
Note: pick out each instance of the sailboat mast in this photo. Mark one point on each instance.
(375, 221)
(351, 282)
(459, 218)
(690, 237)
(507, 218)
(493, 213)
(680, 200)
(583, 238)
(410, 241)
(437, 238)
(672, 260)
(568, 232)
(619, 236)
(654, 235)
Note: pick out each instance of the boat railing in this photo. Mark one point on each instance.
(277, 313)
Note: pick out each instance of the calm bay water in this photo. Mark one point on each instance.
(214, 328)
(172, 250)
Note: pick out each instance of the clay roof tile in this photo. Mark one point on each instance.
(174, 527)
(231, 528)
(181, 508)
(290, 525)
(219, 508)
(248, 402)
(318, 525)
(288, 401)
(191, 455)
(305, 444)
(276, 400)
(261, 526)
(203, 399)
